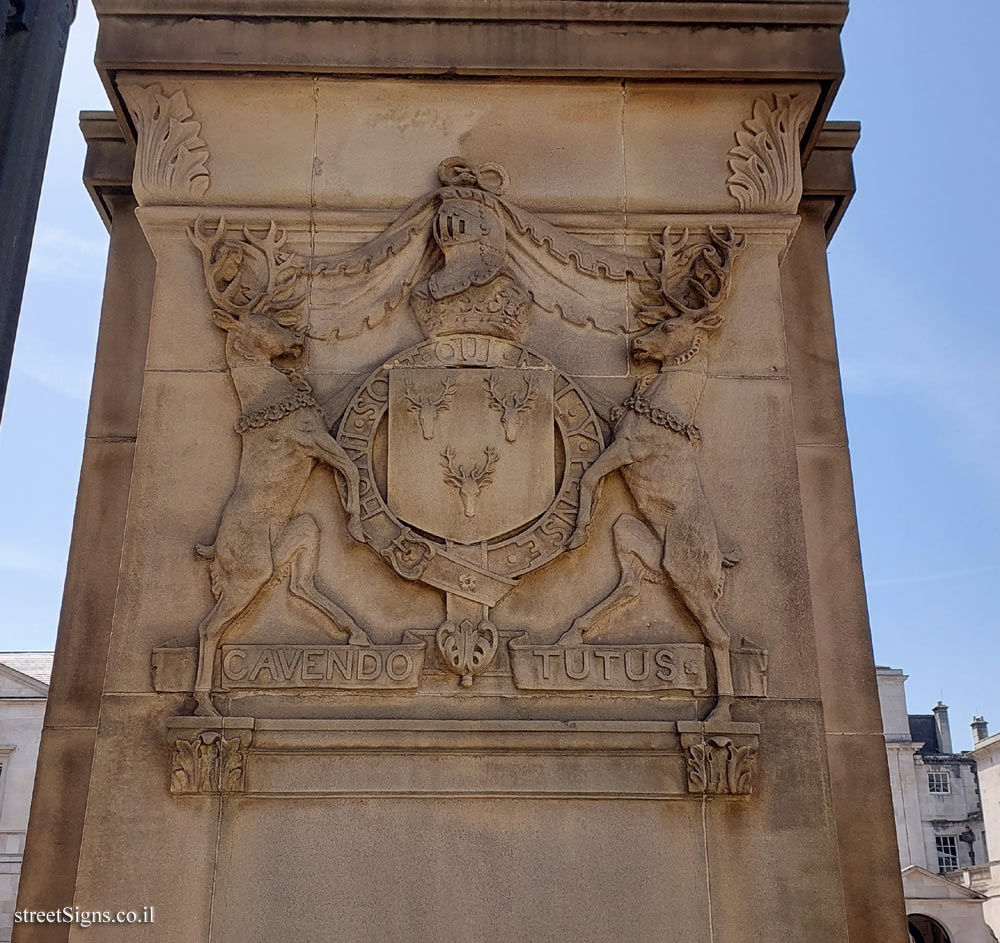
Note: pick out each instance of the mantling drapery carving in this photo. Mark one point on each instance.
(171, 158)
(766, 167)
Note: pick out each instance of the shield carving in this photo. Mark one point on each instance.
(471, 451)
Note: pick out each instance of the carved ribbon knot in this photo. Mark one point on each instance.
(457, 172)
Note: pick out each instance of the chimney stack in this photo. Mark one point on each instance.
(979, 729)
(943, 727)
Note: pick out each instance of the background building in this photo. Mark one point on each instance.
(938, 799)
(939, 819)
(985, 877)
(24, 688)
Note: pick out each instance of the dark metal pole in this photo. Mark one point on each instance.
(32, 48)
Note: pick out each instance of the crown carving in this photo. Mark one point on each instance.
(500, 308)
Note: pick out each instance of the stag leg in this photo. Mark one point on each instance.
(329, 451)
(297, 548)
(228, 607)
(693, 562)
(611, 459)
(638, 551)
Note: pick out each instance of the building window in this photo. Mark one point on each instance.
(947, 853)
(939, 781)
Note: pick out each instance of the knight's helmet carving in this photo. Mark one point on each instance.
(468, 227)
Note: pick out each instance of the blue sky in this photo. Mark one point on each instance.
(917, 331)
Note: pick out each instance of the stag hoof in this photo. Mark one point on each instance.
(577, 539)
(572, 636)
(204, 706)
(722, 711)
(355, 529)
(358, 637)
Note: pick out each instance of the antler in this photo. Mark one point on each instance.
(447, 391)
(410, 393)
(691, 280)
(430, 399)
(480, 474)
(499, 399)
(524, 402)
(496, 395)
(453, 475)
(282, 292)
(252, 276)
(483, 474)
(209, 244)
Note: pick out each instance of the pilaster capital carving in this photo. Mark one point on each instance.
(211, 762)
(718, 766)
(171, 158)
(766, 169)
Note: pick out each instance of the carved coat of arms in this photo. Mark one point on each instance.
(468, 460)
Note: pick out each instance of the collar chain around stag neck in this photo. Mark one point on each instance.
(690, 353)
(638, 404)
(302, 398)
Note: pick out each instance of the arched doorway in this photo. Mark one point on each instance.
(924, 929)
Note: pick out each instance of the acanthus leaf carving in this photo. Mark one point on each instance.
(765, 165)
(171, 157)
(718, 766)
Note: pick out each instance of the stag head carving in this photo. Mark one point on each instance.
(428, 405)
(469, 480)
(511, 403)
(689, 283)
(252, 276)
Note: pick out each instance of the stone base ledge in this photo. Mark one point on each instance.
(488, 759)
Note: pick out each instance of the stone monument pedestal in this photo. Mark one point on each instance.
(465, 548)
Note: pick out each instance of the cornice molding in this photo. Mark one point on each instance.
(781, 13)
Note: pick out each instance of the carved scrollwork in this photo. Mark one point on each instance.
(409, 554)
(171, 157)
(766, 168)
(717, 766)
(209, 763)
(467, 648)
